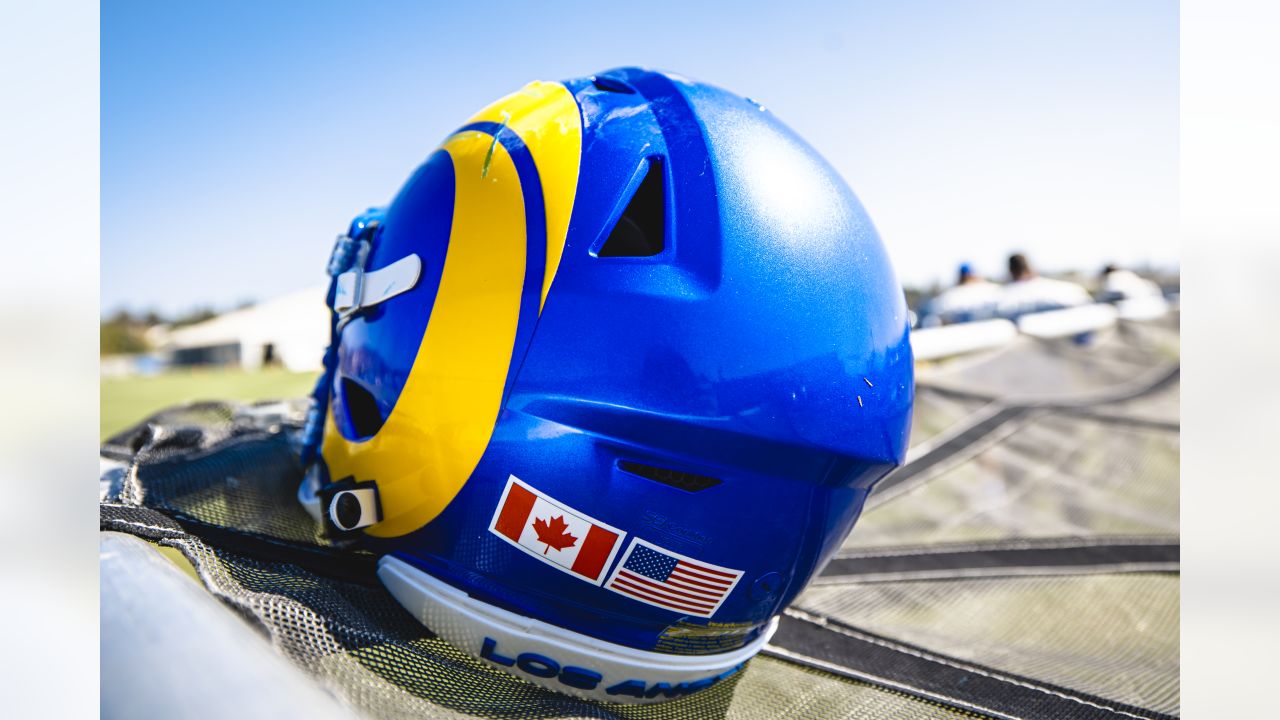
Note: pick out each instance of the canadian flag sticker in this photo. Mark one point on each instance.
(554, 532)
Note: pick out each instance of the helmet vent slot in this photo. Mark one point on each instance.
(608, 84)
(639, 232)
(362, 408)
(689, 482)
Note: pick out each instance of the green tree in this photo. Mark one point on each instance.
(118, 338)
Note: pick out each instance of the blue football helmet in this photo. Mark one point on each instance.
(610, 380)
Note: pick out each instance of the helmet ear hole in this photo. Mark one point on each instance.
(641, 229)
(362, 408)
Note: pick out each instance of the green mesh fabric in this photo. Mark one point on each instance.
(358, 642)
(1052, 475)
(937, 412)
(1087, 472)
(1111, 635)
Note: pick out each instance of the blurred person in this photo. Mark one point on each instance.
(1118, 284)
(1135, 297)
(1028, 292)
(973, 297)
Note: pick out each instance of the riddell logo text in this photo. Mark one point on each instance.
(541, 666)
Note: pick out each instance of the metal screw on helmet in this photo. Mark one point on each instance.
(354, 509)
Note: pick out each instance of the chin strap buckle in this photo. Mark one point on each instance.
(358, 288)
(346, 267)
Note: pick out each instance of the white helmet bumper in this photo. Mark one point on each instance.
(553, 657)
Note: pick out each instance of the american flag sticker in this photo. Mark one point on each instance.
(670, 580)
(554, 532)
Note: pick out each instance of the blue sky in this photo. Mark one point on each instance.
(239, 137)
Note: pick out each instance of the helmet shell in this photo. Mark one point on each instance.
(729, 399)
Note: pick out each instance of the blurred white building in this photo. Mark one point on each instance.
(291, 331)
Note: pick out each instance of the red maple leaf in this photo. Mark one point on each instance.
(553, 533)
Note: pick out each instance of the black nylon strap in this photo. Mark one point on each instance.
(830, 645)
(1034, 558)
(1134, 421)
(340, 564)
(951, 447)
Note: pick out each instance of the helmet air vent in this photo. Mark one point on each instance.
(639, 232)
(610, 84)
(362, 408)
(688, 482)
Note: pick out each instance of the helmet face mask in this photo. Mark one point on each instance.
(651, 362)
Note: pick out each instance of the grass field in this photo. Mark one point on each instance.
(125, 401)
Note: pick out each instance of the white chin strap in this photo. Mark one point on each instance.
(554, 657)
(357, 288)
